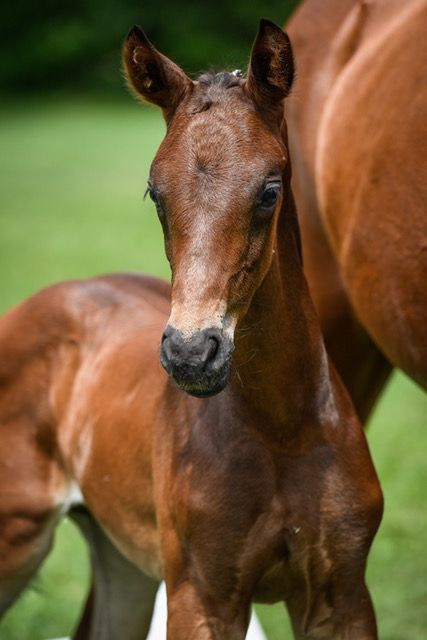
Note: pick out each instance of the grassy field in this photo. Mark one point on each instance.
(72, 179)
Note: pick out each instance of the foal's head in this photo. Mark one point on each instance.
(218, 182)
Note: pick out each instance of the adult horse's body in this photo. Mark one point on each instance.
(260, 487)
(358, 125)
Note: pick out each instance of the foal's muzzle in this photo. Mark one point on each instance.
(200, 363)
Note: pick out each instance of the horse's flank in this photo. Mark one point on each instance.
(358, 124)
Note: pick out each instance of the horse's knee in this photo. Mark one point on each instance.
(190, 616)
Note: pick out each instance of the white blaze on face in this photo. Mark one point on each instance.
(190, 318)
(201, 280)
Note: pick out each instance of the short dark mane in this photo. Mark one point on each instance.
(223, 79)
(211, 87)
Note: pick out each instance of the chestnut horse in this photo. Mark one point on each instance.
(242, 475)
(358, 135)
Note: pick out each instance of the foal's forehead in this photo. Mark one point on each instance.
(218, 132)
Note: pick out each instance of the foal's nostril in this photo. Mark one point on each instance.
(213, 347)
(166, 345)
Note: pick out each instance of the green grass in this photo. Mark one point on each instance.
(72, 179)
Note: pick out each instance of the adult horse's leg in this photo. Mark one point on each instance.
(121, 600)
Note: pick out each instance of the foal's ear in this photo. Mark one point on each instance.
(271, 67)
(151, 75)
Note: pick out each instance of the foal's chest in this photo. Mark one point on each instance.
(252, 520)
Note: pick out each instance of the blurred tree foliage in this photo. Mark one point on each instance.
(75, 44)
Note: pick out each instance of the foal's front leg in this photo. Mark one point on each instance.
(192, 616)
(198, 610)
(340, 611)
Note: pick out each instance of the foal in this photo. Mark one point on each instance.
(263, 489)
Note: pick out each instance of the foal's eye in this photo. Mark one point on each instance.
(268, 198)
(155, 198)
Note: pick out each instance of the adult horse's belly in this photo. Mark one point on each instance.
(371, 176)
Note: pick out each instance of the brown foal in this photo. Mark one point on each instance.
(242, 475)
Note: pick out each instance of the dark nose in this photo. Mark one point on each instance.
(199, 363)
(198, 351)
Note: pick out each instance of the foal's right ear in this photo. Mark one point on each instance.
(271, 68)
(151, 75)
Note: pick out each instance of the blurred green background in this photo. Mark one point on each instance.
(75, 44)
(75, 153)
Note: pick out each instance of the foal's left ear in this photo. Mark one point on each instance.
(151, 75)
(271, 67)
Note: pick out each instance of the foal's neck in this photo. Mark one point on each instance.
(281, 367)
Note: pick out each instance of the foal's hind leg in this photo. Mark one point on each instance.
(25, 540)
(31, 486)
(121, 600)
